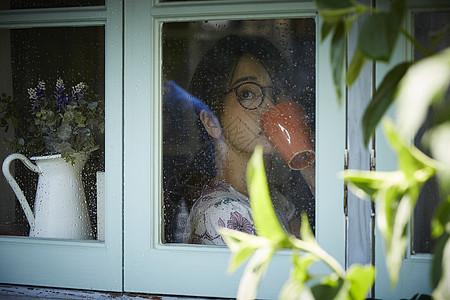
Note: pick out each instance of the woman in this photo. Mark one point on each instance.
(239, 79)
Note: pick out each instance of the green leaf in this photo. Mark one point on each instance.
(383, 98)
(93, 105)
(301, 265)
(441, 268)
(326, 29)
(438, 139)
(440, 222)
(361, 280)
(437, 35)
(254, 272)
(338, 47)
(396, 194)
(416, 166)
(356, 65)
(396, 199)
(387, 207)
(295, 286)
(305, 230)
(68, 116)
(64, 132)
(380, 31)
(426, 82)
(335, 10)
(330, 288)
(397, 244)
(441, 113)
(242, 246)
(366, 184)
(264, 217)
(80, 120)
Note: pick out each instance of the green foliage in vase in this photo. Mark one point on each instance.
(302, 284)
(58, 121)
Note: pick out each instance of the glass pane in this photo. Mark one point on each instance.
(220, 78)
(53, 86)
(425, 26)
(21, 4)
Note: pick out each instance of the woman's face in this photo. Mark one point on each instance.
(240, 126)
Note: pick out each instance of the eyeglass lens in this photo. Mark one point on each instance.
(250, 95)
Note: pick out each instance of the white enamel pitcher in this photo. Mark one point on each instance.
(60, 208)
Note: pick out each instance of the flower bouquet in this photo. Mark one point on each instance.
(57, 122)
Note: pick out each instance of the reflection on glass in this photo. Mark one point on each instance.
(426, 25)
(220, 77)
(22, 4)
(52, 105)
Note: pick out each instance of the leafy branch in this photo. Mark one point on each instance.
(377, 37)
(396, 192)
(339, 284)
(417, 87)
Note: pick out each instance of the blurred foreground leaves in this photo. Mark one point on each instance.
(303, 283)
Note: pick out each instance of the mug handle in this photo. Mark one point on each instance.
(15, 187)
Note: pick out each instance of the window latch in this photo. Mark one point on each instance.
(346, 158)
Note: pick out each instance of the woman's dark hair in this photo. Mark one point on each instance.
(211, 78)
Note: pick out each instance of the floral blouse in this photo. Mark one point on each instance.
(220, 205)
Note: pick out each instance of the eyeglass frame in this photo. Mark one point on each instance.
(262, 88)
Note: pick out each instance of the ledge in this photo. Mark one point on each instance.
(31, 292)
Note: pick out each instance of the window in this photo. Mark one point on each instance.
(163, 44)
(421, 19)
(425, 24)
(194, 152)
(134, 55)
(63, 69)
(76, 44)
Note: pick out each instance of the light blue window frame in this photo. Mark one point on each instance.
(153, 267)
(132, 258)
(78, 264)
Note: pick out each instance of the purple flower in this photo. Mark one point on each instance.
(63, 101)
(221, 223)
(40, 93)
(37, 95)
(62, 98)
(238, 222)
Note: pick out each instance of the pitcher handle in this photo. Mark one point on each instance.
(15, 187)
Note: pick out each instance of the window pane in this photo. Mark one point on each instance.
(219, 78)
(52, 82)
(21, 4)
(425, 24)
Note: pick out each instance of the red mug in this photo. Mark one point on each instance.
(286, 127)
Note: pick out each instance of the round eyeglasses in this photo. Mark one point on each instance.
(251, 95)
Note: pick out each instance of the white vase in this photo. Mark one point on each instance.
(60, 207)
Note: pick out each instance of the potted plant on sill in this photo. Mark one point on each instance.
(59, 135)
